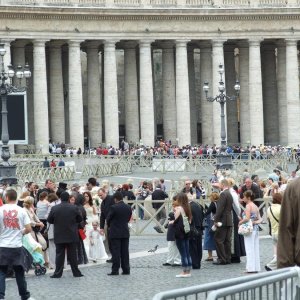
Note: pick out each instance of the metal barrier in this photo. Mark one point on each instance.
(107, 168)
(28, 172)
(280, 284)
(139, 227)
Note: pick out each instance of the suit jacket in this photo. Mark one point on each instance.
(254, 188)
(117, 220)
(105, 208)
(158, 194)
(224, 209)
(65, 218)
(197, 213)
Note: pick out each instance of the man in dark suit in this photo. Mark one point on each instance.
(223, 233)
(159, 194)
(65, 218)
(117, 221)
(107, 202)
(196, 235)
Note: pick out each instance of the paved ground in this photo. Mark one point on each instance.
(148, 276)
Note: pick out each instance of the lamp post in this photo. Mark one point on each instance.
(222, 98)
(8, 169)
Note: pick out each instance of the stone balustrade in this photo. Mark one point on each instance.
(152, 4)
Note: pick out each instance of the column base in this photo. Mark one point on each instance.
(8, 174)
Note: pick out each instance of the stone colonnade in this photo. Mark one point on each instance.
(267, 110)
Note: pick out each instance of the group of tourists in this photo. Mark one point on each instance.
(168, 149)
(89, 222)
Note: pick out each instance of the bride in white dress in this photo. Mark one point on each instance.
(91, 215)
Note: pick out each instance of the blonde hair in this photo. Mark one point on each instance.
(24, 195)
(231, 182)
(28, 201)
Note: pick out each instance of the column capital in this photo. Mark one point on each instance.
(39, 43)
(218, 43)
(182, 43)
(110, 43)
(291, 42)
(255, 42)
(145, 43)
(74, 43)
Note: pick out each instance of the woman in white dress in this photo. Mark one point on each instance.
(97, 249)
(251, 240)
(91, 214)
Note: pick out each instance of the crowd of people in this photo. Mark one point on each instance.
(167, 149)
(90, 222)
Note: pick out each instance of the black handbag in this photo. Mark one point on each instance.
(36, 229)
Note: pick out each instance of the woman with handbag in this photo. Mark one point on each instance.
(250, 217)
(183, 218)
(273, 214)
(36, 226)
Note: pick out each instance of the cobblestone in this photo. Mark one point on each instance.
(147, 278)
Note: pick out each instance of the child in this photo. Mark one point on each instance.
(97, 250)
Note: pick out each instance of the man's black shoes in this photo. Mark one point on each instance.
(55, 276)
(112, 274)
(78, 275)
(109, 260)
(125, 273)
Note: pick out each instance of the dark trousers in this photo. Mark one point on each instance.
(20, 279)
(223, 244)
(120, 254)
(60, 258)
(196, 251)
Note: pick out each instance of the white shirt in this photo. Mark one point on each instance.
(13, 219)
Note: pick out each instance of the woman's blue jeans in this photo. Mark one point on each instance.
(184, 250)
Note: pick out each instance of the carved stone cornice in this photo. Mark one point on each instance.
(152, 14)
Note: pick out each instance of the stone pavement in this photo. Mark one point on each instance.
(147, 278)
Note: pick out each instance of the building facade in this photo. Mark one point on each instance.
(104, 70)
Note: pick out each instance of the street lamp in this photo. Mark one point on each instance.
(222, 98)
(8, 169)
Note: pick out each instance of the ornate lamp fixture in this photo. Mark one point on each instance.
(8, 169)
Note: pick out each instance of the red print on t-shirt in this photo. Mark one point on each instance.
(10, 219)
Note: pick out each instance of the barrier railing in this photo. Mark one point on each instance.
(140, 227)
(279, 284)
(107, 168)
(37, 174)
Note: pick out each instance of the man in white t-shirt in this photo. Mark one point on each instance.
(14, 223)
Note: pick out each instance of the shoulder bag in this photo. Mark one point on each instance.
(186, 224)
(246, 228)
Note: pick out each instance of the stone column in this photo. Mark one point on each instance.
(111, 111)
(281, 93)
(256, 114)
(292, 93)
(231, 106)
(206, 107)
(7, 57)
(217, 59)
(244, 93)
(75, 96)
(94, 94)
(168, 86)
(192, 91)
(132, 122)
(56, 94)
(146, 95)
(270, 102)
(40, 97)
(182, 95)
